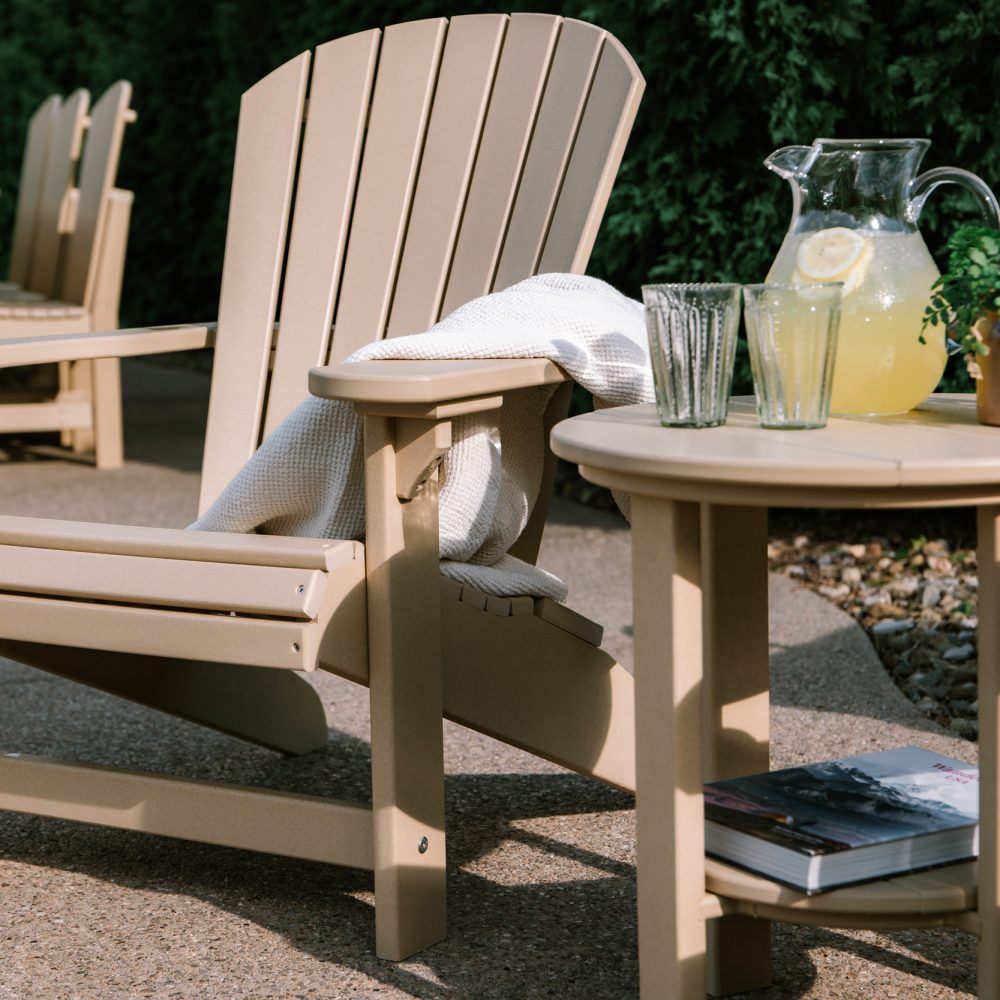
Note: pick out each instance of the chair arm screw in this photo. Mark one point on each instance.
(423, 844)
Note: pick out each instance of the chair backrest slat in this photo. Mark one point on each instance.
(60, 168)
(597, 151)
(517, 92)
(98, 169)
(404, 88)
(267, 146)
(339, 96)
(463, 91)
(566, 92)
(41, 129)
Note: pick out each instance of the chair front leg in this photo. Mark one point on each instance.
(404, 629)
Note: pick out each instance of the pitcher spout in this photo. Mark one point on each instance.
(790, 161)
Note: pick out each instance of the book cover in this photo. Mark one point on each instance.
(838, 822)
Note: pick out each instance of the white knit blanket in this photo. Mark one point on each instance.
(307, 477)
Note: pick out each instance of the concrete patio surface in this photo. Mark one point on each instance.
(541, 862)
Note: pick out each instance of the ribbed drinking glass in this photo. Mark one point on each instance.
(692, 344)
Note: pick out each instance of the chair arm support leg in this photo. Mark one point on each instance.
(404, 642)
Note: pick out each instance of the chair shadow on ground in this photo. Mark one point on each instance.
(538, 928)
(945, 958)
(536, 897)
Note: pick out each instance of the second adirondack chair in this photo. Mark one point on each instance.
(67, 263)
(438, 160)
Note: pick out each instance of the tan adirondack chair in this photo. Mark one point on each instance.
(438, 160)
(68, 266)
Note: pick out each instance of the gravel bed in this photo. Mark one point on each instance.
(914, 594)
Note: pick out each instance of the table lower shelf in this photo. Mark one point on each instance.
(942, 897)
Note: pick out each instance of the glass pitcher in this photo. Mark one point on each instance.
(855, 206)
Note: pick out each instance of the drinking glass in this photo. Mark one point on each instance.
(692, 343)
(792, 336)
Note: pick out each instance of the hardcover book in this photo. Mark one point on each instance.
(840, 822)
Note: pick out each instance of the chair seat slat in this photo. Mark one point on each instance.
(186, 635)
(182, 583)
(40, 311)
(176, 543)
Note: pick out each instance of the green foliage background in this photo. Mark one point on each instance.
(727, 82)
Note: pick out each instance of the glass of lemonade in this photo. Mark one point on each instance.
(792, 336)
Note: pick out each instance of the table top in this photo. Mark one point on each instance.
(937, 454)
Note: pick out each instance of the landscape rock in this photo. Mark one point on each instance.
(958, 654)
(891, 626)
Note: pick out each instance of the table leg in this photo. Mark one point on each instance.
(989, 749)
(736, 706)
(670, 844)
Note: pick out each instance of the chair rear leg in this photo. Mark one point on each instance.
(77, 376)
(107, 408)
(101, 380)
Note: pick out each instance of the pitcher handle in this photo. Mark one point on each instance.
(923, 185)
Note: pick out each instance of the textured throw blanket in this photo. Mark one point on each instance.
(307, 478)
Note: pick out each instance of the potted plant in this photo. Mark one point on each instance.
(966, 299)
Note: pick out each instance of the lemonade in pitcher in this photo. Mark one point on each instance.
(855, 206)
(881, 366)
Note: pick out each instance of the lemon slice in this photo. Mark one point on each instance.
(837, 254)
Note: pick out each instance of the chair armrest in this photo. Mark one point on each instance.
(434, 389)
(112, 344)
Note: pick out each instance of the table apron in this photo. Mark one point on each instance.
(752, 494)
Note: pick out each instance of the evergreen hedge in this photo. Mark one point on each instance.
(727, 82)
